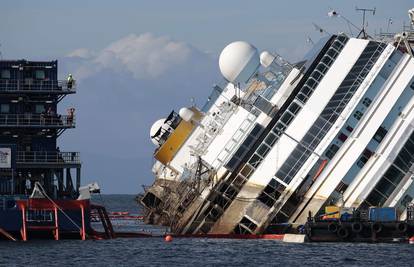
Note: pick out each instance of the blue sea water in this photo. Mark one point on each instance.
(195, 252)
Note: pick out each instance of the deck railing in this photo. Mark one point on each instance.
(34, 85)
(49, 157)
(37, 120)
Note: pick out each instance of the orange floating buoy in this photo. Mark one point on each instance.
(168, 238)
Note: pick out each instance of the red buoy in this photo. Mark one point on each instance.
(168, 238)
(411, 240)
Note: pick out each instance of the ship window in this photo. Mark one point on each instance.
(245, 226)
(40, 108)
(311, 83)
(306, 90)
(375, 198)
(246, 171)
(271, 193)
(248, 141)
(279, 128)
(270, 139)
(5, 74)
(294, 108)
(358, 115)
(341, 187)
(286, 118)
(239, 181)
(251, 225)
(264, 105)
(151, 201)
(40, 74)
(379, 135)
(256, 130)
(404, 160)
(385, 187)
(255, 160)
(263, 149)
(361, 162)
(393, 174)
(4, 108)
(342, 137)
(331, 151)
(364, 158)
(232, 163)
(366, 102)
(349, 128)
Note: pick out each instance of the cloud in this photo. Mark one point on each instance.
(122, 90)
(145, 56)
(81, 53)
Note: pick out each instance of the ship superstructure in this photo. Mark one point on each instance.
(277, 141)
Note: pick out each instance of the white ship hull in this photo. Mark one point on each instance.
(278, 141)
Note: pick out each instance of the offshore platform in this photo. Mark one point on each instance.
(39, 184)
(30, 126)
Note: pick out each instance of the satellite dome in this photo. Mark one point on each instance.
(239, 61)
(186, 114)
(154, 129)
(266, 58)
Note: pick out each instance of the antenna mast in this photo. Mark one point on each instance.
(363, 31)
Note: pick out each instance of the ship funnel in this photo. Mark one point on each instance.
(186, 114)
(239, 61)
(155, 131)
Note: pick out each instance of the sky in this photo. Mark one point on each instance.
(135, 61)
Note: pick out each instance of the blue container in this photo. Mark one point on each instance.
(386, 214)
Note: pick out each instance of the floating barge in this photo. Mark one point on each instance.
(377, 227)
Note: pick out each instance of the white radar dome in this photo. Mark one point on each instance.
(239, 61)
(186, 114)
(154, 129)
(266, 59)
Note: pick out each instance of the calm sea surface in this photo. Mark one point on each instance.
(194, 252)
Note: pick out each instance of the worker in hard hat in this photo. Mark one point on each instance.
(70, 81)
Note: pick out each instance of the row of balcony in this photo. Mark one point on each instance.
(36, 86)
(37, 121)
(48, 157)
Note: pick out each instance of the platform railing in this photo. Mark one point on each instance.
(34, 85)
(49, 157)
(37, 120)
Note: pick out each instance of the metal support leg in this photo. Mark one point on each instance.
(78, 179)
(83, 231)
(23, 231)
(60, 180)
(56, 224)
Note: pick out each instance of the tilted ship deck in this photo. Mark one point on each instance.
(277, 140)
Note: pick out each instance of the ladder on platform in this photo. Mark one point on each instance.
(106, 222)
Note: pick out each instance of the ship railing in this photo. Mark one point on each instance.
(36, 85)
(54, 157)
(37, 120)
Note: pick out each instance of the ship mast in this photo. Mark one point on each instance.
(363, 33)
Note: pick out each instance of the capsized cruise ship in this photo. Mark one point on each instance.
(276, 141)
